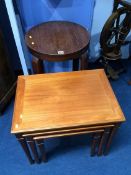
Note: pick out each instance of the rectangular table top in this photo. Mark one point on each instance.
(64, 100)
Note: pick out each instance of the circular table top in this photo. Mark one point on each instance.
(59, 40)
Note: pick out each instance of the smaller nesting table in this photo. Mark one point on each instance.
(58, 41)
(64, 104)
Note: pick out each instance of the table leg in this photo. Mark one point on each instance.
(108, 144)
(37, 65)
(103, 140)
(95, 141)
(76, 64)
(129, 82)
(84, 62)
(33, 148)
(24, 145)
(41, 147)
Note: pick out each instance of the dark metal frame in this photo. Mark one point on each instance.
(113, 35)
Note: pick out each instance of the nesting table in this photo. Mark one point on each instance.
(64, 104)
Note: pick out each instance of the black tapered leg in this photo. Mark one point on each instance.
(24, 145)
(76, 64)
(95, 141)
(37, 65)
(33, 148)
(41, 147)
(84, 62)
(103, 140)
(108, 144)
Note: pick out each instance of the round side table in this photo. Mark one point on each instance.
(58, 41)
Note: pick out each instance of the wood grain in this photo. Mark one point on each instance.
(48, 40)
(66, 134)
(68, 130)
(63, 100)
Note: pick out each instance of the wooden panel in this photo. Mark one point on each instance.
(7, 78)
(66, 134)
(68, 130)
(66, 99)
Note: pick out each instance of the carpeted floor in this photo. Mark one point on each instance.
(70, 155)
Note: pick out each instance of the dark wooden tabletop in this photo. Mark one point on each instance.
(57, 39)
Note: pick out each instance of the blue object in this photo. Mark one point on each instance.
(38, 11)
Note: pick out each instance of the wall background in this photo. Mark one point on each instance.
(80, 11)
(102, 11)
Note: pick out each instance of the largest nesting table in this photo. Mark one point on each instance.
(64, 104)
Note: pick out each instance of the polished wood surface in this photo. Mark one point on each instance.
(57, 40)
(61, 131)
(66, 134)
(64, 100)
